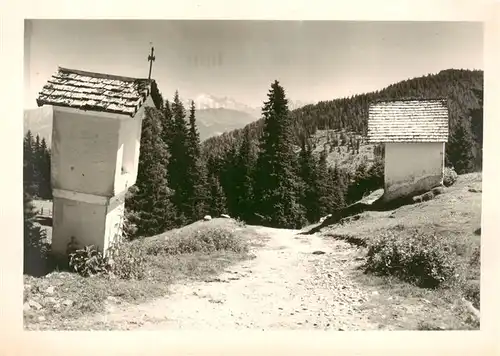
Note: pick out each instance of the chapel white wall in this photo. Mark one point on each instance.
(412, 168)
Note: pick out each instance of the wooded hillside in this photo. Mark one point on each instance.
(462, 88)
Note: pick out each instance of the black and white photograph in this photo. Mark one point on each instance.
(252, 175)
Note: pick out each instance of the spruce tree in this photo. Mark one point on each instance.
(156, 95)
(196, 178)
(167, 124)
(35, 248)
(309, 195)
(339, 186)
(217, 202)
(227, 178)
(325, 202)
(150, 208)
(277, 185)
(28, 165)
(357, 186)
(177, 167)
(194, 136)
(37, 156)
(243, 177)
(477, 129)
(45, 189)
(459, 150)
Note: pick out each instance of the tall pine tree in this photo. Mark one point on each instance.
(45, 189)
(277, 185)
(477, 129)
(309, 173)
(149, 205)
(167, 124)
(459, 152)
(217, 203)
(177, 167)
(196, 178)
(30, 185)
(325, 189)
(243, 178)
(339, 186)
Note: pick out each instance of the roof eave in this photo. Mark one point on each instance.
(89, 111)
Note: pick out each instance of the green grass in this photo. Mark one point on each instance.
(453, 219)
(190, 253)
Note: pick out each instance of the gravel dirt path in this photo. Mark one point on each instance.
(295, 282)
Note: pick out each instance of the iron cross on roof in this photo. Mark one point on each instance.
(151, 59)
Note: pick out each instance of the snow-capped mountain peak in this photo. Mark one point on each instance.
(207, 101)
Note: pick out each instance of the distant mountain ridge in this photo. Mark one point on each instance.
(216, 115)
(214, 122)
(207, 101)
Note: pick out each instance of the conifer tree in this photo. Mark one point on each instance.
(227, 176)
(243, 177)
(168, 124)
(459, 150)
(217, 204)
(309, 173)
(150, 207)
(45, 189)
(276, 187)
(196, 178)
(357, 186)
(194, 136)
(34, 247)
(156, 95)
(339, 185)
(28, 165)
(177, 167)
(477, 129)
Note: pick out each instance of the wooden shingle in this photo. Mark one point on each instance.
(408, 121)
(95, 92)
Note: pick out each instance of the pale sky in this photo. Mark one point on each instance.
(313, 60)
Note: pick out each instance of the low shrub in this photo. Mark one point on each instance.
(205, 240)
(449, 177)
(128, 261)
(88, 261)
(414, 256)
(125, 261)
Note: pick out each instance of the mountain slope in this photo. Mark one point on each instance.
(213, 122)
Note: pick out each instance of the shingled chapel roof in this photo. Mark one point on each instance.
(413, 120)
(95, 92)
